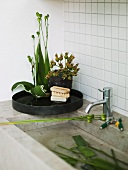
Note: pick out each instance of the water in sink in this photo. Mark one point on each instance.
(61, 134)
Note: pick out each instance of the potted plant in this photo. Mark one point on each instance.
(62, 69)
(40, 65)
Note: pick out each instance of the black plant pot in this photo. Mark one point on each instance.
(58, 81)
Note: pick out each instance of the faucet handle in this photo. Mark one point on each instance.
(101, 90)
(107, 91)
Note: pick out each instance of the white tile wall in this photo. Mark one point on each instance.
(96, 31)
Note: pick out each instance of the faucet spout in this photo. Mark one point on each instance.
(107, 102)
(90, 106)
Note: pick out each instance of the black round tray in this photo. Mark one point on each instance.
(24, 102)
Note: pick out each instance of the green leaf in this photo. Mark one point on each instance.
(40, 68)
(38, 91)
(26, 85)
(41, 72)
(80, 141)
(86, 151)
(83, 146)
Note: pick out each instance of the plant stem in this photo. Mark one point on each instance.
(81, 118)
(46, 32)
(34, 69)
(42, 33)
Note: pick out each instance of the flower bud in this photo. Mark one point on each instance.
(61, 57)
(38, 33)
(60, 65)
(56, 57)
(52, 63)
(66, 55)
(29, 58)
(33, 36)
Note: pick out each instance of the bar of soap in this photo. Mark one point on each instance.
(60, 89)
(58, 99)
(64, 95)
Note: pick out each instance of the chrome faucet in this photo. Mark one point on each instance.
(107, 102)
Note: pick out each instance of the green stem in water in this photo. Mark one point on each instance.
(79, 160)
(78, 154)
(104, 153)
(68, 149)
(115, 160)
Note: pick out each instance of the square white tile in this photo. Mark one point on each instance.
(94, 30)
(122, 9)
(122, 69)
(122, 21)
(108, 43)
(88, 7)
(82, 28)
(107, 76)
(115, 32)
(100, 30)
(94, 40)
(108, 65)
(108, 54)
(107, 8)
(100, 52)
(76, 7)
(122, 45)
(94, 18)
(122, 81)
(88, 50)
(115, 67)
(122, 33)
(101, 8)
(121, 103)
(115, 44)
(115, 9)
(108, 19)
(114, 78)
(100, 19)
(94, 7)
(115, 19)
(115, 55)
(82, 7)
(108, 31)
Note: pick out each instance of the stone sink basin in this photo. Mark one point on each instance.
(29, 146)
